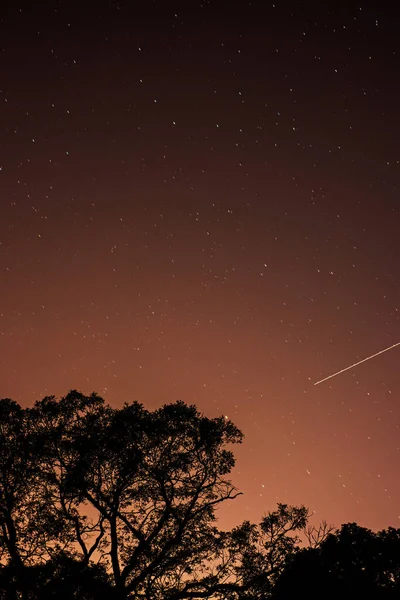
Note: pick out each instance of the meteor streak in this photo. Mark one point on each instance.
(357, 363)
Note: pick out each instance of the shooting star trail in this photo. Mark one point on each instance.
(357, 363)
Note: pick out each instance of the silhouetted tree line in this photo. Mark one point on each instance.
(98, 502)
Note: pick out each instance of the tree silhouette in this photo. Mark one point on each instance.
(130, 490)
(353, 563)
(23, 516)
(98, 502)
(61, 578)
(260, 552)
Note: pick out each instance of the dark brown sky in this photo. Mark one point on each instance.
(201, 202)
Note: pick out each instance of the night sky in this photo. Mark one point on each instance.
(200, 201)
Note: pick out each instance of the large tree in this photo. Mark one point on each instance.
(131, 490)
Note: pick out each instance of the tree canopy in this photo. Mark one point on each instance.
(353, 563)
(102, 502)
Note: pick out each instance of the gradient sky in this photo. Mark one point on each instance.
(200, 201)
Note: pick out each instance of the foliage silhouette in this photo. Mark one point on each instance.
(62, 578)
(98, 502)
(132, 491)
(353, 563)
